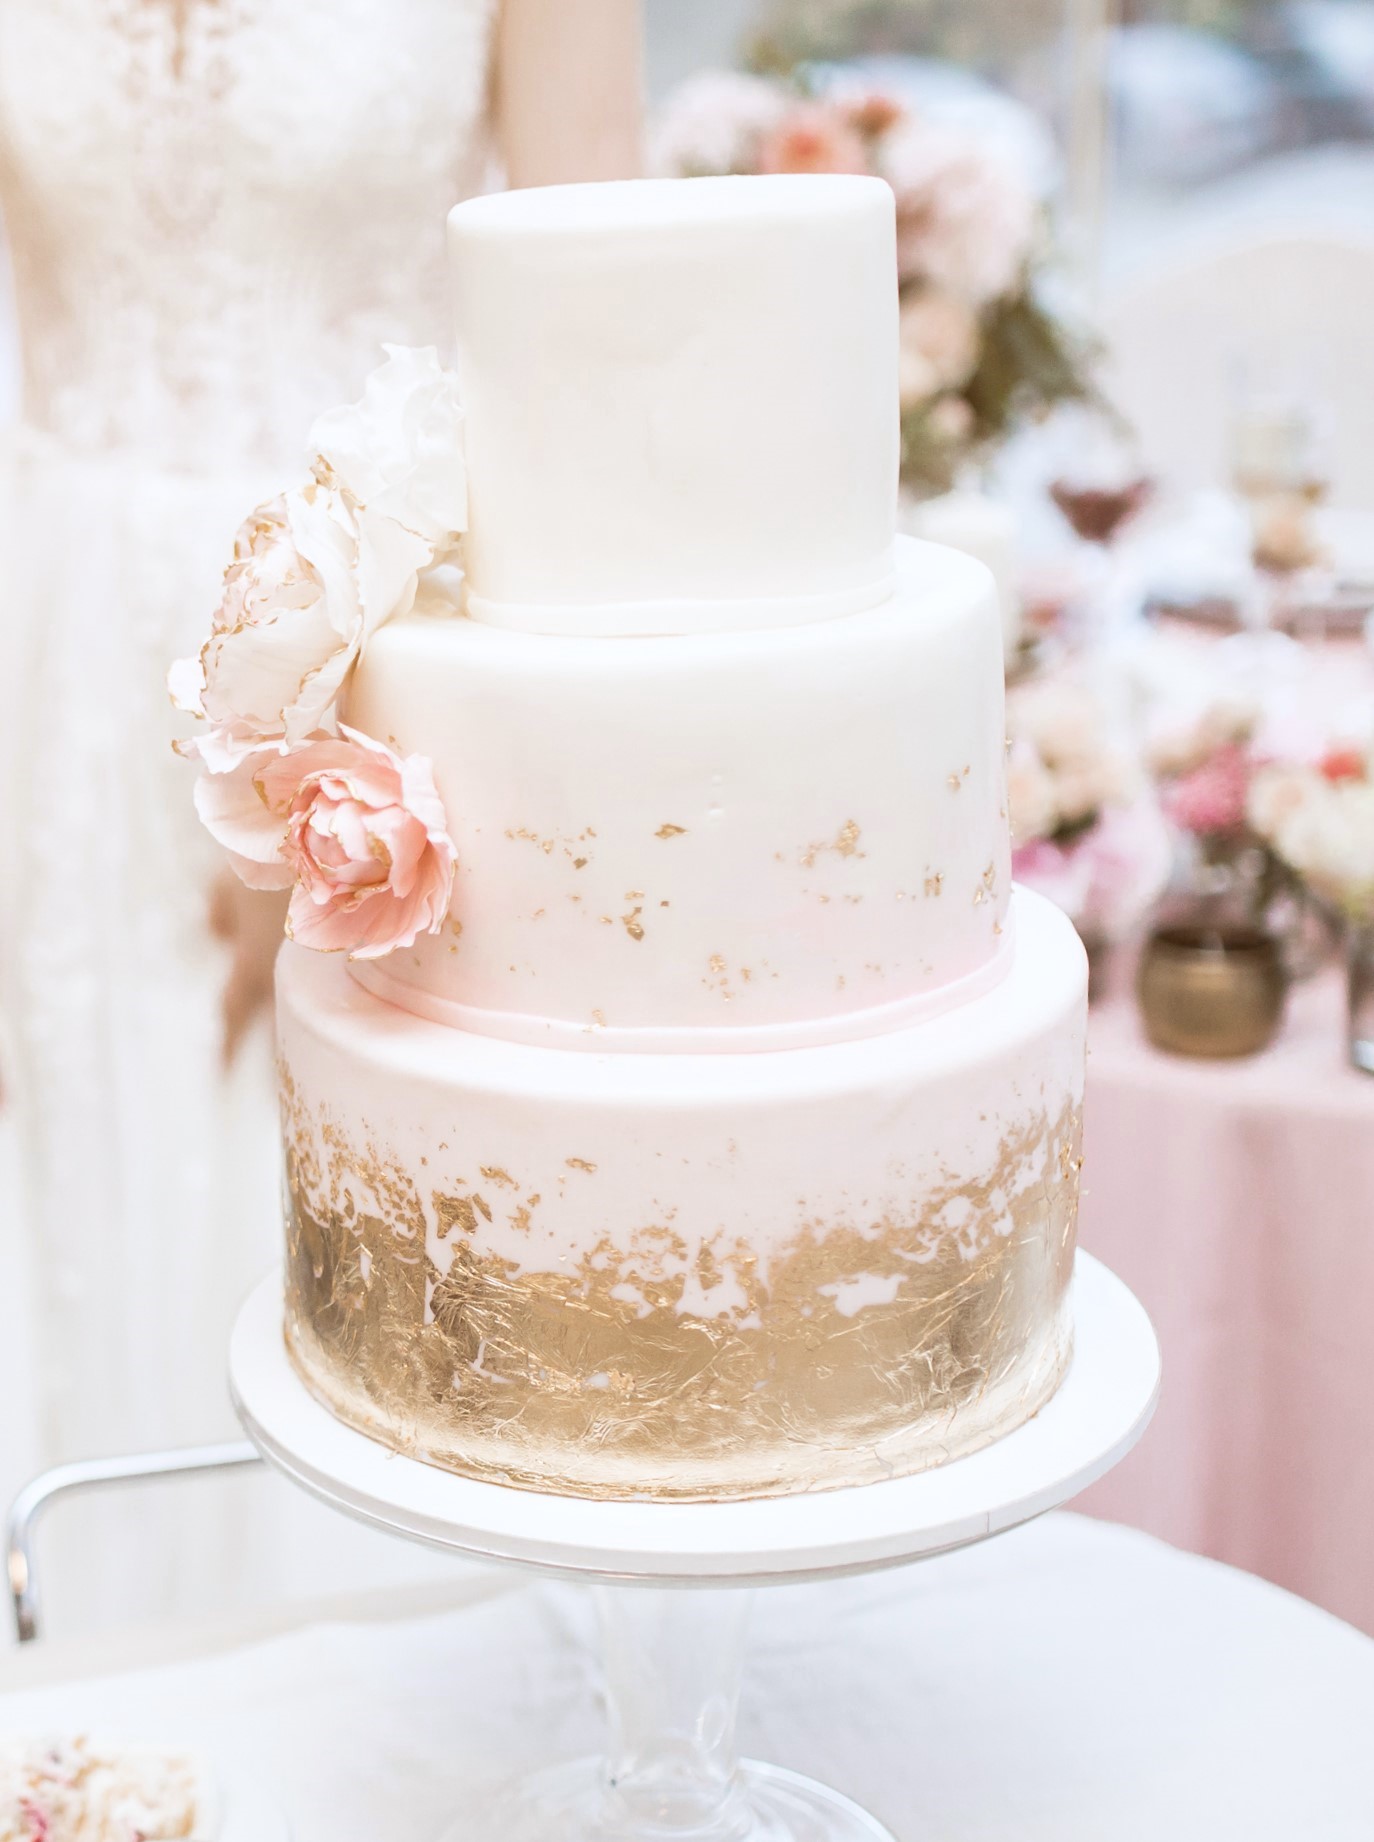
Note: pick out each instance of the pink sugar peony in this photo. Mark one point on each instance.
(360, 832)
(813, 138)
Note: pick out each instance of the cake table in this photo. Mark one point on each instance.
(673, 1655)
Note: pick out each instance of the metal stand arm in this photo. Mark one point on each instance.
(89, 1474)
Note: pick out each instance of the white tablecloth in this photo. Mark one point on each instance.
(1072, 1682)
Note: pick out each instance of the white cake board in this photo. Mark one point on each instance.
(1102, 1407)
(673, 1659)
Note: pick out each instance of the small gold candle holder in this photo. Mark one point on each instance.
(1211, 991)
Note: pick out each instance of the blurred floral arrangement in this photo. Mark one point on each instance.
(981, 351)
(1205, 766)
(1318, 820)
(1086, 831)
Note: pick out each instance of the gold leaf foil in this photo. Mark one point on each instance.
(868, 1350)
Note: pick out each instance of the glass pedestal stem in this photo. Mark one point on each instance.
(672, 1662)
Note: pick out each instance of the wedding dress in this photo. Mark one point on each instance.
(217, 210)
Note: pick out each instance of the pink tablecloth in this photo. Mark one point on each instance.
(1237, 1200)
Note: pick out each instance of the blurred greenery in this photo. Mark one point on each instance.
(986, 34)
(1028, 362)
(976, 32)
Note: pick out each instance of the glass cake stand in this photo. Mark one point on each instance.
(671, 1580)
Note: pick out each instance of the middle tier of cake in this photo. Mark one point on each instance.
(756, 839)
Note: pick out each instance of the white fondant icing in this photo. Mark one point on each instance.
(678, 391)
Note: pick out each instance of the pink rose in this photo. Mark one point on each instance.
(813, 138)
(1212, 800)
(360, 832)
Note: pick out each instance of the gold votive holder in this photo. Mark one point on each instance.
(1211, 991)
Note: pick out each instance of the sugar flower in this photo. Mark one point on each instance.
(358, 833)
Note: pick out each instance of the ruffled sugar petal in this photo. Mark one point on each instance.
(221, 747)
(234, 810)
(263, 876)
(312, 708)
(284, 776)
(421, 796)
(324, 532)
(406, 844)
(390, 559)
(260, 673)
(398, 452)
(388, 922)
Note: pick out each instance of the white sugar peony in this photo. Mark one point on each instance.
(398, 452)
(318, 570)
(313, 577)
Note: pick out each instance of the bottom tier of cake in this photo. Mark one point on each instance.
(696, 1276)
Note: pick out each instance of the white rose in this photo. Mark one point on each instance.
(398, 453)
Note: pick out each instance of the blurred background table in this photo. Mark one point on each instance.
(1236, 1199)
(1065, 1683)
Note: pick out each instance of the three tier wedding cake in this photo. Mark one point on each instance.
(695, 1113)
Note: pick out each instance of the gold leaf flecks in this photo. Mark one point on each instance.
(844, 844)
(651, 1365)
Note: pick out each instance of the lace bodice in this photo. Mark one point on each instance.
(219, 208)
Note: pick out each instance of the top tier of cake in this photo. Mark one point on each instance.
(681, 403)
